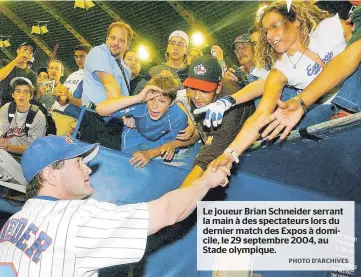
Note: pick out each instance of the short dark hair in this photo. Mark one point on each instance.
(32, 189)
(22, 82)
(42, 69)
(82, 47)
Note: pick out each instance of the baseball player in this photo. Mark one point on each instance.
(60, 233)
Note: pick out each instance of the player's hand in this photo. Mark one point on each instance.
(187, 133)
(4, 143)
(222, 160)
(139, 159)
(215, 111)
(129, 122)
(167, 151)
(230, 76)
(286, 116)
(148, 93)
(218, 177)
(22, 57)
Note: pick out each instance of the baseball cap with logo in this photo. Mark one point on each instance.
(32, 44)
(244, 38)
(356, 19)
(204, 74)
(47, 150)
(181, 34)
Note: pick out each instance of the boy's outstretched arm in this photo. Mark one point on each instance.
(112, 105)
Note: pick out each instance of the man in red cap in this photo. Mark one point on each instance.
(205, 86)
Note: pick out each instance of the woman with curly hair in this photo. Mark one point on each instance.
(297, 44)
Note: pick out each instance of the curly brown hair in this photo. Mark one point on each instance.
(308, 15)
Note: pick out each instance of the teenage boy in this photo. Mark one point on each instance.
(20, 122)
(204, 86)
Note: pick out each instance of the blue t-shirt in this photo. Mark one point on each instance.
(100, 59)
(154, 133)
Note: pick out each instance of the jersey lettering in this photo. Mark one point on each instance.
(315, 68)
(13, 231)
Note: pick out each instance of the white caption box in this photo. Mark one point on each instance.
(275, 235)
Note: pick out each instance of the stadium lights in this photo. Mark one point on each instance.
(197, 39)
(143, 53)
(83, 4)
(40, 30)
(4, 41)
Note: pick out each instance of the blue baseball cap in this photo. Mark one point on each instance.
(45, 151)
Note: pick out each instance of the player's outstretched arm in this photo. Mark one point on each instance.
(178, 204)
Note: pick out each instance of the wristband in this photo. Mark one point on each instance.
(231, 100)
(302, 104)
(233, 154)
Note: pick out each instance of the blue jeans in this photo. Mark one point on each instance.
(349, 95)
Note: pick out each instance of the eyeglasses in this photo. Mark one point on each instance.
(274, 27)
(178, 44)
(240, 46)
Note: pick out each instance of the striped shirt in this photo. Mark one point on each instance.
(71, 237)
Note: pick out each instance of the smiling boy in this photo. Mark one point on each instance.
(16, 131)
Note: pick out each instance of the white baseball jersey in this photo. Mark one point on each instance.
(53, 238)
(327, 40)
(74, 79)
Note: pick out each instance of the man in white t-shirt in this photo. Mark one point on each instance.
(60, 233)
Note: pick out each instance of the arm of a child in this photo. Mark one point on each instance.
(167, 150)
(112, 105)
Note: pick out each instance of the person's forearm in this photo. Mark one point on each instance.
(183, 143)
(75, 101)
(5, 71)
(17, 149)
(182, 202)
(196, 172)
(152, 153)
(248, 134)
(115, 104)
(249, 92)
(336, 71)
(175, 205)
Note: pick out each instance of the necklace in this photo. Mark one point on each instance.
(295, 64)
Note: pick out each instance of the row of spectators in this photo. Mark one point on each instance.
(289, 67)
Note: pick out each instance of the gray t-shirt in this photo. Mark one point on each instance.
(15, 132)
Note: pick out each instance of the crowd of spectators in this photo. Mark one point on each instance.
(295, 68)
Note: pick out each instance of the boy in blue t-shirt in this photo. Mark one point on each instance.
(158, 120)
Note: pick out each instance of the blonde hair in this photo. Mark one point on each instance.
(308, 15)
(123, 25)
(166, 81)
